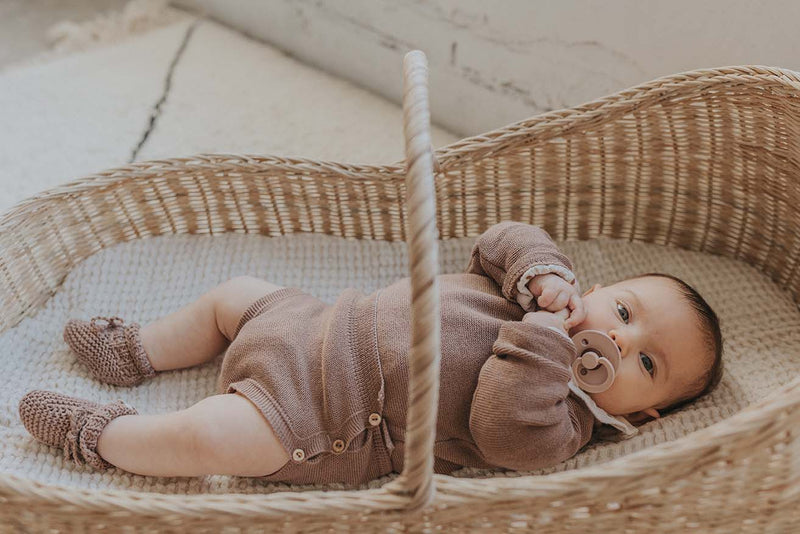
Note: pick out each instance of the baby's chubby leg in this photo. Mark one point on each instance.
(220, 435)
(204, 328)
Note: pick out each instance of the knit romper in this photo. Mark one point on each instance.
(332, 380)
(313, 371)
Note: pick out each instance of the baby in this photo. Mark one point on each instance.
(311, 393)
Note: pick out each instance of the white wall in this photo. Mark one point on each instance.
(496, 62)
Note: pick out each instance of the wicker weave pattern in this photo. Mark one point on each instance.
(702, 160)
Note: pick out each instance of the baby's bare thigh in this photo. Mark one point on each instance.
(232, 437)
(233, 297)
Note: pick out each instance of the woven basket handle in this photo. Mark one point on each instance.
(416, 481)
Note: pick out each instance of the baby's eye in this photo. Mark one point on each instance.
(624, 317)
(648, 363)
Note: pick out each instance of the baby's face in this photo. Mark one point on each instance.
(660, 343)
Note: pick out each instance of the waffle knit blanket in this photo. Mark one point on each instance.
(144, 280)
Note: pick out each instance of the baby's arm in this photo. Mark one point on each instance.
(512, 253)
(522, 415)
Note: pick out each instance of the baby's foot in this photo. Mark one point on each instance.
(70, 423)
(113, 353)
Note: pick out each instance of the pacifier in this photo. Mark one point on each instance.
(598, 359)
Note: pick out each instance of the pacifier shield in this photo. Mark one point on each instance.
(598, 359)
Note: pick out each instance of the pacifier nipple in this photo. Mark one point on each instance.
(598, 359)
(590, 360)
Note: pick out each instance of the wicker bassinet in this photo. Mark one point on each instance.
(697, 155)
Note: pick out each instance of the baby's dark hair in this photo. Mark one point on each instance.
(709, 325)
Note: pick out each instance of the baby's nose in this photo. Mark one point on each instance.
(616, 338)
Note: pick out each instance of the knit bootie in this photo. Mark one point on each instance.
(70, 423)
(113, 353)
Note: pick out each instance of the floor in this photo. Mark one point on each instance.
(24, 23)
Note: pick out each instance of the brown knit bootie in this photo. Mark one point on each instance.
(70, 423)
(113, 353)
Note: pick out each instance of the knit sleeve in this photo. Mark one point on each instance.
(511, 253)
(521, 415)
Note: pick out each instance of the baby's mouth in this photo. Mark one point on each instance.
(574, 330)
(580, 327)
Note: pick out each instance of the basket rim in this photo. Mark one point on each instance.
(217, 161)
(624, 101)
(594, 481)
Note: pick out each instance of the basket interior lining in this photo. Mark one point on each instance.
(146, 279)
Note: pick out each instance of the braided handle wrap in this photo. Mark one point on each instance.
(416, 480)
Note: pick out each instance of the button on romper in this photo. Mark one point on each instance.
(313, 371)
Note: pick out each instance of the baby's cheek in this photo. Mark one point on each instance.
(590, 320)
(604, 400)
(588, 309)
(613, 399)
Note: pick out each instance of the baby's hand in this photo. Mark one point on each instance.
(554, 294)
(547, 319)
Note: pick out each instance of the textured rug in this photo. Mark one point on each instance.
(144, 280)
(94, 109)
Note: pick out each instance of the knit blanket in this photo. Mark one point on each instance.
(144, 280)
